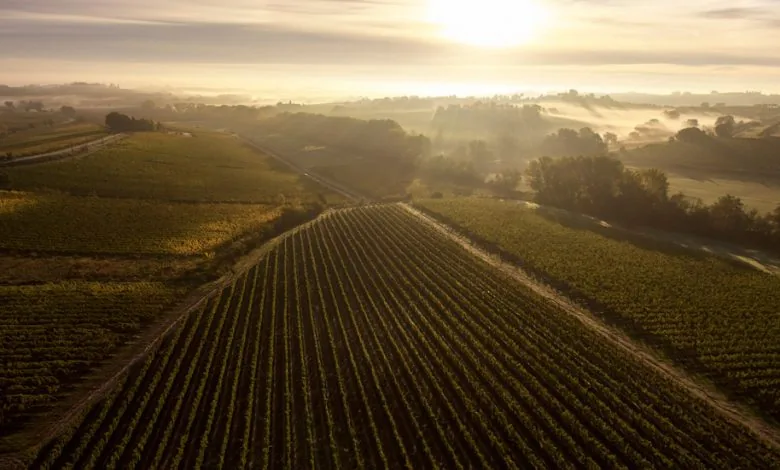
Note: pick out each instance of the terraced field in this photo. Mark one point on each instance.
(711, 316)
(369, 340)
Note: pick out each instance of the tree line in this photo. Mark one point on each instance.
(601, 186)
(118, 122)
(477, 164)
(377, 140)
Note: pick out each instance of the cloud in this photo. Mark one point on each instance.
(733, 13)
(387, 36)
(209, 42)
(767, 17)
(281, 44)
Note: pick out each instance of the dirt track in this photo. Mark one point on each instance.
(90, 147)
(719, 402)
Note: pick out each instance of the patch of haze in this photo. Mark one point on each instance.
(622, 121)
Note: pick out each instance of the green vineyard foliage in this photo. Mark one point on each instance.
(713, 316)
(370, 340)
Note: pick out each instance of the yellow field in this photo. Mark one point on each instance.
(57, 223)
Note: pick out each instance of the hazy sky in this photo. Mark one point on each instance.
(353, 47)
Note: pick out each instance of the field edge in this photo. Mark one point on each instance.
(551, 290)
(29, 442)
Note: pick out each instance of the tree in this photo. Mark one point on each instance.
(692, 123)
(479, 152)
(725, 126)
(610, 138)
(9, 105)
(655, 183)
(692, 135)
(568, 142)
(672, 114)
(148, 105)
(32, 105)
(118, 122)
(774, 217)
(728, 214)
(506, 181)
(68, 111)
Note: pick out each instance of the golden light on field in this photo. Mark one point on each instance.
(488, 23)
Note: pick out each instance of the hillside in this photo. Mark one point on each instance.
(735, 158)
(369, 339)
(97, 250)
(713, 316)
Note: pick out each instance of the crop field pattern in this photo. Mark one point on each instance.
(50, 139)
(208, 167)
(51, 333)
(30, 221)
(369, 340)
(710, 316)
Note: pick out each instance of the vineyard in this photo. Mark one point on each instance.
(50, 333)
(369, 340)
(206, 167)
(42, 140)
(56, 223)
(709, 315)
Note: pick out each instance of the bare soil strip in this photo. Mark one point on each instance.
(730, 410)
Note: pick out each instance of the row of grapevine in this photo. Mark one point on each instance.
(369, 340)
(713, 316)
(52, 335)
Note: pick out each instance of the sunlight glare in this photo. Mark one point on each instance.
(488, 23)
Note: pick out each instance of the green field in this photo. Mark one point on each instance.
(710, 315)
(58, 223)
(744, 167)
(736, 158)
(53, 333)
(49, 139)
(207, 167)
(95, 249)
(756, 194)
(370, 340)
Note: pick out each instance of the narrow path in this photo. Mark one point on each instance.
(67, 152)
(732, 411)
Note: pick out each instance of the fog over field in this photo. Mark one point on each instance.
(623, 120)
(408, 234)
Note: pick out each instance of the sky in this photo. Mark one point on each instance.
(349, 48)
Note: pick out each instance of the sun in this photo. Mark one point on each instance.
(487, 23)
